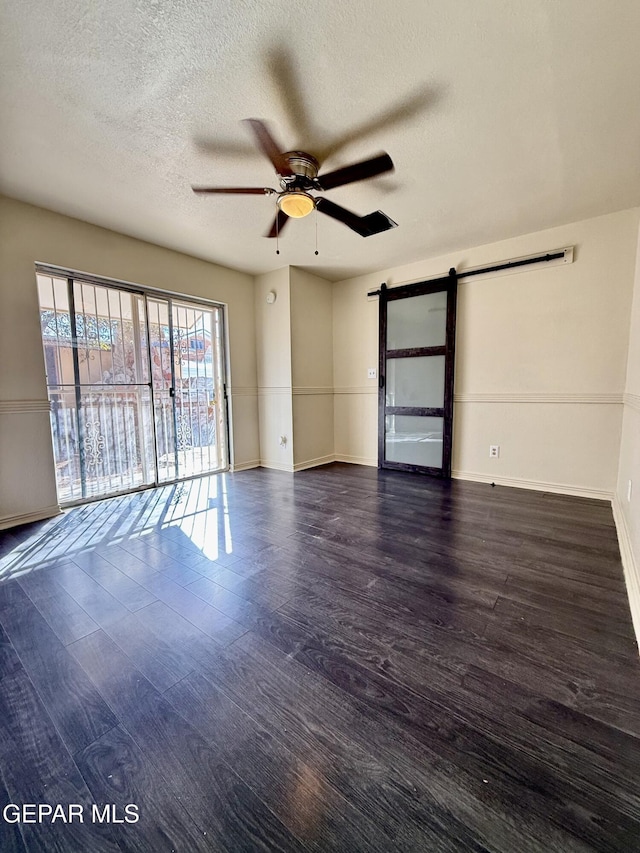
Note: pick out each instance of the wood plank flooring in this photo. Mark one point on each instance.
(337, 660)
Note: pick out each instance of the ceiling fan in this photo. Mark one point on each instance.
(297, 172)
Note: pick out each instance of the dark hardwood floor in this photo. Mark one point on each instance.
(337, 660)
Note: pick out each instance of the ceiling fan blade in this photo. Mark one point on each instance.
(289, 86)
(269, 146)
(421, 99)
(236, 190)
(365, 226)
(278, 224)
(377, 222)
(356, 172)
(226, 148)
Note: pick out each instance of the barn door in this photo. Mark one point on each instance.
(415, 405)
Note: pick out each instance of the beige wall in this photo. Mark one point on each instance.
(627, 512)
(273, 346)
(295, 355)
(312, 368)
(540, 361)
(29, 234)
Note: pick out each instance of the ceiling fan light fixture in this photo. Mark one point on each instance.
(296, 204)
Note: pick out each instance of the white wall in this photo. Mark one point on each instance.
(29, 234)
(295, 356)
(627, 512)
(540, 360)
(312, 368)
(355, 349)
(273, 344)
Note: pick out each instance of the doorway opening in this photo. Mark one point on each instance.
(136, 382)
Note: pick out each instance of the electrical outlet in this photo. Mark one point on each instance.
(494, 451)
(629, 492)
(372, 373)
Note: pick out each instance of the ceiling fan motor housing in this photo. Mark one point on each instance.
(304, 168)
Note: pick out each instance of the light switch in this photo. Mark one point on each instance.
(372, 373)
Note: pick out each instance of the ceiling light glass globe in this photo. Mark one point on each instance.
(296, 204)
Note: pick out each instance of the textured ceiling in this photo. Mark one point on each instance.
(502, 117)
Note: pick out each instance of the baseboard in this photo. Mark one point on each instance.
(629, 564)
(313, 463)
(28, 517)
(245, 466)
(536, 485)
(276, 466)
(356, 460)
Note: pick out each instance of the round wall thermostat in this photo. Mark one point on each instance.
(271, 297)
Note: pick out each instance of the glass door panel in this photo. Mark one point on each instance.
(198, 398)
(113, 425)
(416, 381)
(98, 387)
(412, 440)
(218, 405)
(186, 348)
(57, 340)
(114, 401)
(417, 322)
(162, 382)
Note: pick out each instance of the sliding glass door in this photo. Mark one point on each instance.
(186, 346)
(136, 384)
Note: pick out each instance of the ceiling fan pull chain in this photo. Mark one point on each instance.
(316, 218)
(277, 236)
